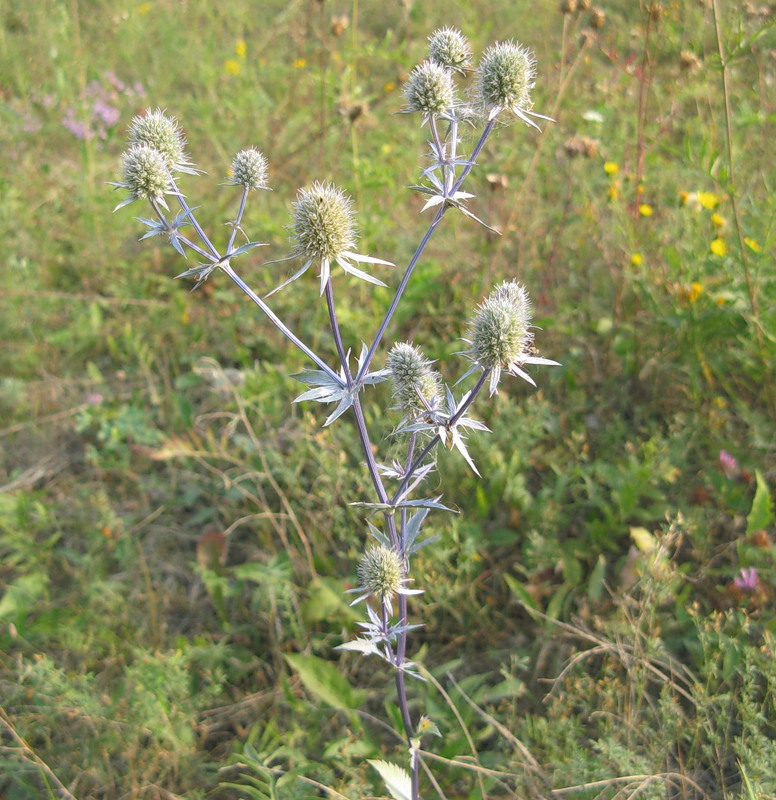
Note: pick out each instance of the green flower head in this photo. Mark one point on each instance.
(500, 334)
(449, 48)
(429, 89)
(505, 78)
(161, 132)
(416, 387)
(323, 222)
(249, 169)
(381, 572)
(145, 174)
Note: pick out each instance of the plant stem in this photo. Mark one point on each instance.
(278, 323)
(733, 191)
(437, 438)
(419, 251)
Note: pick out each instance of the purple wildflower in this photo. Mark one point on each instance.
(747, 579)
(729, 465)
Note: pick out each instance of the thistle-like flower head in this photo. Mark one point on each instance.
(381, 574)
(145, 174)
(323, 222)
(505, 78)
(381, 571)
(449, 48)
(324, 231)
(500, 334)
(161, 132)
(429, 89)
(249, 169)
(416, 386)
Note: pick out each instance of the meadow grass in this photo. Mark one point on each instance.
(176, 537)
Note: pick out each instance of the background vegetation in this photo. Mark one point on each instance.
(175, 537)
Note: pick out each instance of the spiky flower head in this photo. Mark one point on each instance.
(416, 386)
(323, 222)
(324, 231)
(505, 78)
(429, 89)
(249, 169)
(500, 334)
(381, 572)
(449, 48)
(145, 173)
(161, 132)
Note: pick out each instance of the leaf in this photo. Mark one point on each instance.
(520, 593)
(761, 515)
(22, 595)
(643, 539)
(595, 584)
(363, 646)
(324, 681)
(397, 780)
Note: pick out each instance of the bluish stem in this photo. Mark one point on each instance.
(436, 439)
(277, 322)
(419, 251)
(237, 219)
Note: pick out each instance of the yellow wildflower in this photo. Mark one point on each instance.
(645, 210)
(752, 244)
(144, 8)
(389, 87)
(300, 63)
(695, 291)
(611, 167)
(718, 246)
(708, 200)
(613, 192)
(637, 259)
(717, 220)
(231, 66)
(240, 48)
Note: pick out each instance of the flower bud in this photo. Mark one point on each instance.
(500, 332)
(381, 572)
(415, 385)
(505, 77)
(429, 89)
(145, 172)
(449, 48)
(163, 134)
(323, 222)
(249, 169)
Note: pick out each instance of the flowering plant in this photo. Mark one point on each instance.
(500, 336)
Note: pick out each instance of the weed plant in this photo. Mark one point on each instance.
(175, 538)
(323, 235)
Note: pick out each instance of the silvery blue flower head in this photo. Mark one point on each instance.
(504, 81)
(416, 386)
(381, 573)
(501, 336)
(449, 48)
(249, 169)
(324, 231)
(163, 133)
(145, 175)
(429, 90)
